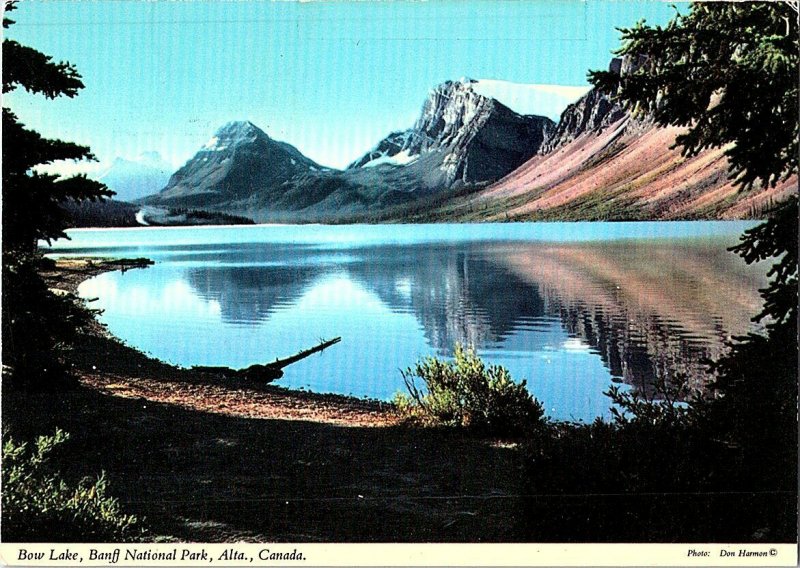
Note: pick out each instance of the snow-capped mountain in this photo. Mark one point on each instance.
(238, 161)
(132, 179)
(465, 136)
(462, 139)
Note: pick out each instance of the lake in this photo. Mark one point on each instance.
(570, 307)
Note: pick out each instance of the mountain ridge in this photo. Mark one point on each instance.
(237, 159)
(468, 157)
(602, 163)
(482, 139)
(460, 139)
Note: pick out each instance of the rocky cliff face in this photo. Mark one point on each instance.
(602, 163)
(592, 112)
(627, 170)
(475, 138)
(595, 111)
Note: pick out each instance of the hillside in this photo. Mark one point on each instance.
(603, 164)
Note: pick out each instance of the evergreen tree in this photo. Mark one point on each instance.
(30, 199)
(35, 321)
(728, 72)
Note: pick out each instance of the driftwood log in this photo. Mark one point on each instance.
(271, 371)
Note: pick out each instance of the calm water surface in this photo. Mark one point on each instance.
(571, 307)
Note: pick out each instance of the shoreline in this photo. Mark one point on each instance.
(123, 371)
(200, 458)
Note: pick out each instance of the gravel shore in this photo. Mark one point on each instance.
(107, 364)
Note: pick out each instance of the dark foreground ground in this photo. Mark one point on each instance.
(205, 458)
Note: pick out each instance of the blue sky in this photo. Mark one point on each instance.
(332, 78)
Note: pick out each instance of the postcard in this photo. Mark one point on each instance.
(399, 283)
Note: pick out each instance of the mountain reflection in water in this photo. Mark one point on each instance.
(568, 317)
(648, 310)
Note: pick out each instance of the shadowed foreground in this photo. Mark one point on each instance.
(200, 476)
(204, 455)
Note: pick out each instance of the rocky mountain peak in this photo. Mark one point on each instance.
(238, 161)
(449, 109)
(463, 136)
(234, 133)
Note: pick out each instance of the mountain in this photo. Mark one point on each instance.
(476, 153)
(627, 169)
(132, 179)
(602, 163)
(591, 113)
(465, 137)
(237, 162)
(462, 139)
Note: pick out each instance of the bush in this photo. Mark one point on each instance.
(38, 505)
(673, 403)
(466, 393)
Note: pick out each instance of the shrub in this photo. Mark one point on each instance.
(38, 505)
(466, 393)
(673, 403)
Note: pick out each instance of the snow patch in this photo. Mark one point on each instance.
(140, 217)
(148, 215)
(213, 145)
(400, 159)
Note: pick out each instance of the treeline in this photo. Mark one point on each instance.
(201, 217)
(112, 213)
(102, 213)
